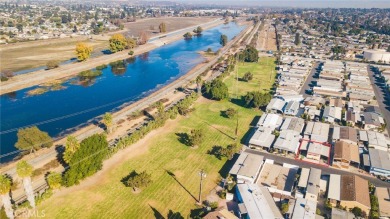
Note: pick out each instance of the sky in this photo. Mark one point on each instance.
(300, 3)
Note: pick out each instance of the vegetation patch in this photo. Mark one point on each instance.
(90, 73)
(37, 91)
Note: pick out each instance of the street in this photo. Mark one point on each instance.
(325, 170)
(309, 80)
(381, 93)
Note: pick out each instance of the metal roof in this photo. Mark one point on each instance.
(334, 187)
(247, 165)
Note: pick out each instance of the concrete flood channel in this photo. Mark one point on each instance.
(77, 102)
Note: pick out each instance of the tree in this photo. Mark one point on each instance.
(230, 150)
(358, 212)
(187, 36)
(131, 43)
(54, 180)
(52, 64)
(256, 99)
(297, 40)
(248, 76)
(231, 113)
(250, 54)
(162, 27)
(198, 30)
(199, 84)
(217, 90)
(143, 38)
(83, 51)
(223, 41)
(107, 121)
(71, 147)
(117, 43)
(5, 187)
(284, 208)
(137, 180)
(33, 139)
(196, 137)
(24, 171)
(87, 160)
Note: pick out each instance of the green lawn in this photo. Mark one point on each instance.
(263, 76)
(111, 199)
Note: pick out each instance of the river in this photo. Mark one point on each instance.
(76, 103)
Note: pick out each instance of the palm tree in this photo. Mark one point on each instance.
(24, 171)
(54, 180)
(199, 84)
(5, 186)
(107, 121)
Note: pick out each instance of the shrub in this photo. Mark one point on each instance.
(52, 64)
(3, 78)
(101, 67)
(248, 76)
(90, 74)
(131, 52)
(231, 113)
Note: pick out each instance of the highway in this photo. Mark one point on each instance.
(325, 170)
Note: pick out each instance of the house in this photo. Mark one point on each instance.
(314, 101)
(383, 195)
(315, 151)
(373, 109)
(256, 202)
(292, 108)
(345, 133)
(293, 123)
(372, 121)
(304, 209)
(303, 178)
(288, 141)
(270, 120)
(317, 131)
(336, 102)
(276, 105)
(380, 162)
(345, 153)
(313, 185)
(332, 114)
(278, 179)
(334, 189)
(377, 140)
(220, 213)
(247, 167)
(262, 138)
(354, 193)
(341, 214)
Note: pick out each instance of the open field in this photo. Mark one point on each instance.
(159, 152)
(150, 25)
(263, 76)
(27, 55)
(267, 38)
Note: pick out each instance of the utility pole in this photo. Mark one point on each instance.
(202, 175)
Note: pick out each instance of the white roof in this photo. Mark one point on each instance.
(334, 187)
(276, 104)
(262, 137)
(304, 209)
(304, 177)
(247, 165)
(270, 120)
(288, 140)
(258, 202)
(377, 140)
(317, 148)
(363, 135)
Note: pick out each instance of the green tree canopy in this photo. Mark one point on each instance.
(223, 40)
(107, 121)
(83, 51)
(187, 35)
(137, 180)
(250, 54)
(217, 90)
(54, 180)
(257, 99)
(162, 27)
(33, 139)
(71, 146)
(24, 169)
(248, 76)
(5, 184)
(87, 160)
(196, 137)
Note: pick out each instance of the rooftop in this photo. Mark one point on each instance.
(258, 202)
(304, 209)
(304, 177)
(313, 184)
(383, 195)
(247, 165)
(354, 188)
(334, 187)
(341, 214)
(262, 137)
(276, 176)
(379, 159)
(346, 151)
(293, 123)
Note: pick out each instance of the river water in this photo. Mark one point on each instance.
(78, 102)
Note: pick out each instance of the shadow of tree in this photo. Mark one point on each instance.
(126, 178)
(184, 138)
(215, 151)
(224, 171)
(171, 214)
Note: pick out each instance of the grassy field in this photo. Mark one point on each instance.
(109, 198)
(263, 76)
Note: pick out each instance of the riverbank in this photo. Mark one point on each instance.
(67, 71)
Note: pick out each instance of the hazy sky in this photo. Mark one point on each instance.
(300, 3)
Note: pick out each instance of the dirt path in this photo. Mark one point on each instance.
(43, 76)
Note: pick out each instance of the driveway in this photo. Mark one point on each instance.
(310, 80)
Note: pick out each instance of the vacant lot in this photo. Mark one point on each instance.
(104, 196)
(34, 54)
(267, 38)
(263, 76)
(150, 25)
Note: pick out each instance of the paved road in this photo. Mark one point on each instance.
(309, 80)
(325, 170)
(382, 94)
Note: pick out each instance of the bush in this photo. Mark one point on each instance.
(3, 78)
(90, 74)
(248, 76)
(256, 99)
(52, 64)
(222, 194)
(101, 67)
(231, 113)
(131, 52)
